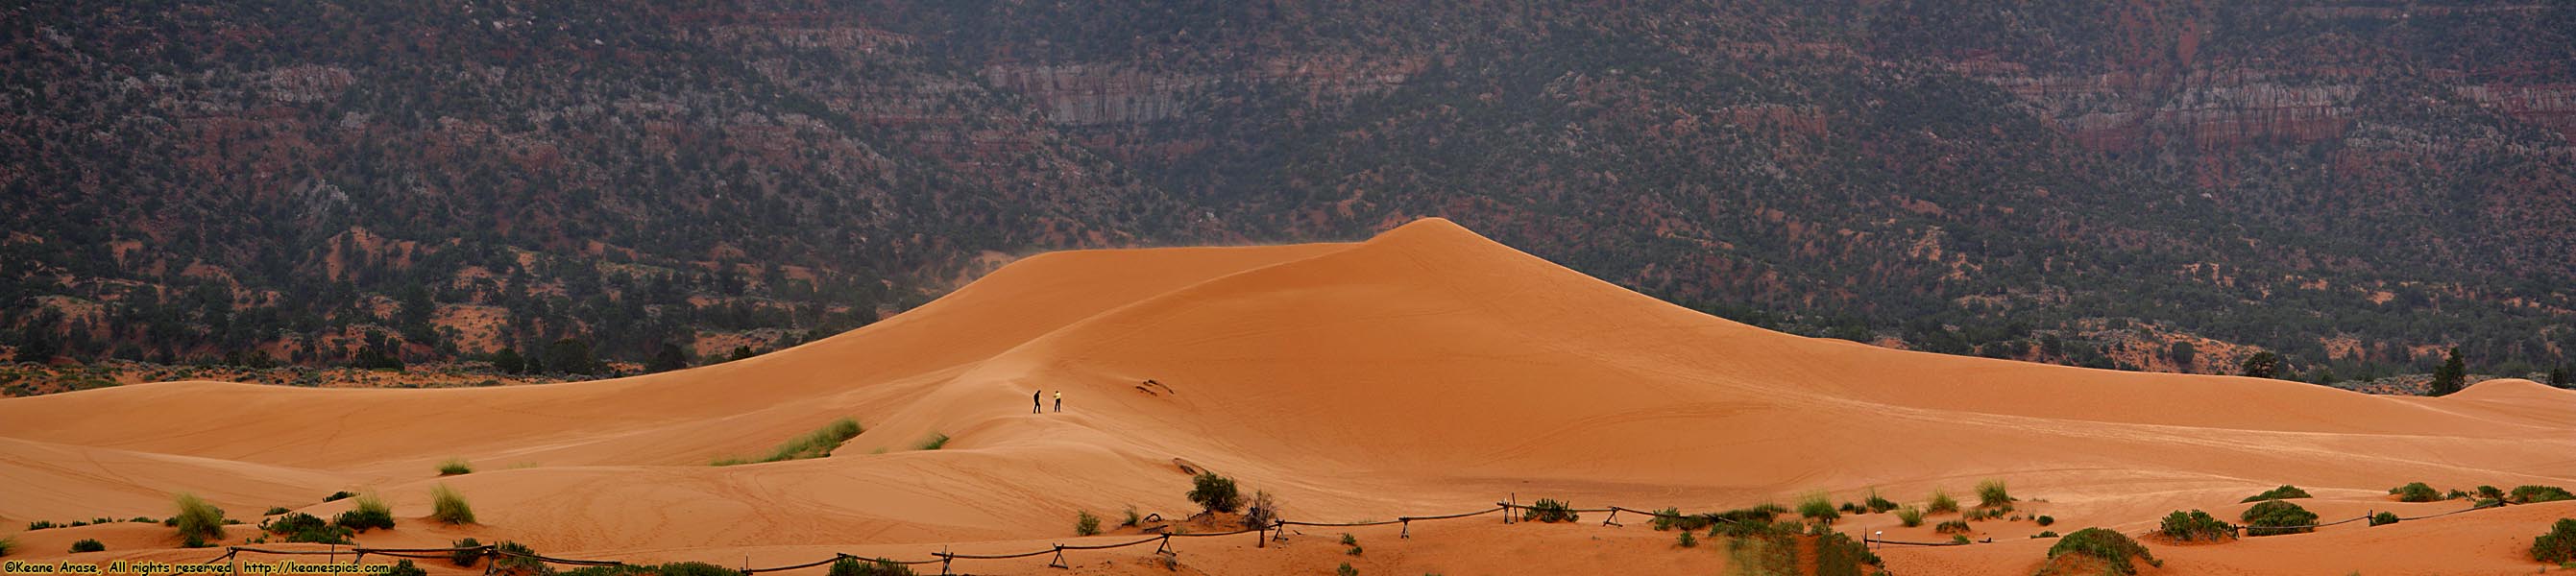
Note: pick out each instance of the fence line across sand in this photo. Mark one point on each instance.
(1277, 529)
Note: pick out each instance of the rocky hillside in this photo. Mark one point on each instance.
(2355, 185)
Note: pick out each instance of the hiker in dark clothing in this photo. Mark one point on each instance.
(1036, 405)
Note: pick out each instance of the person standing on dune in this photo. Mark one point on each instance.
(1037, 406)
(1059, 401)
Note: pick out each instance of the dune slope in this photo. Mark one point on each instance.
(1427, 370)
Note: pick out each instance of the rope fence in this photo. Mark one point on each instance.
(1163, 541)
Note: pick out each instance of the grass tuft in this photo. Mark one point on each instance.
(816, 444)
(88, 545)
(1819, 507)
(1910, 516)
(371, 513)
(1991, 493)
(935, 441)
(1877, 504)
(1085, 524)
(198, 522)
(449, 507)
(1942, 503)
(455, 467)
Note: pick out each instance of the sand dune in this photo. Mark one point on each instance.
(1427, 370)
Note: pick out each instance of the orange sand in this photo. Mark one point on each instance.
(1426, 371)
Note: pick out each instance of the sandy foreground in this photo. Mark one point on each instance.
(1426, 371)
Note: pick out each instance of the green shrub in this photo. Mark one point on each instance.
(7, 545)
(1547, 510)
(2114, 550)
(142, 520)
(455, 466)
(371, 513)
(1838, 555)
(2274, 517)
(816, 444)
(2536, 494)
(2383, 518)
(1132, 519)
(868, 567)
(1348, 540)
(2284, 492)
(406, 568)
(1852, 508)
(272, 511)
(2044, 534)
(1354, 551)
(694, 569)
(1991, 493)
(1763, 548)
(88, 545)
(198, 522)
(1952, 527)
(1910, 516)
(1687, 540)
(1346, 570)
(2485, 503)
(2458, 494)
(1762, 513)
(1085, 524)
(1961, 539)
(515, 558)
(1942, 503)
(2195, 526)
(2417, 492)
(302, 527)
(40, 525)
(465, 558)
(1215, 493)
(1817, 506)
(1877, 504)
(2045, 520)
(934, 442)
(338, 496)
(2490, 493)
(1673, 518)
(2559, 545)
(448, 507)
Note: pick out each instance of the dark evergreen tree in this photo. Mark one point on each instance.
(2451, 376)
(571, 356)
(509, 362)
(667, 359)
(2183, 354)
(2263, 364)
(2558, 377)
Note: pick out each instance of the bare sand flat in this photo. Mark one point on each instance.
(1426, 371)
